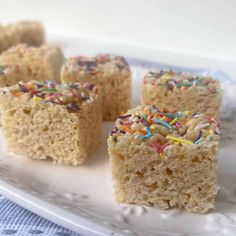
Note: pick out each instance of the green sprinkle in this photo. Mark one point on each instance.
(2, 68)
(171, 115)
(48, 89)
(184, 85)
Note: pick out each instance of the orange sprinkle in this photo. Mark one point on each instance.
(163, 118)
(147, 112)
(127, 129)
(142, 131)
(18, 94)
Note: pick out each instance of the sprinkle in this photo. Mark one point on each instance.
(18, 94)
(2, 68)
(148, 135)
(115, 129)
(89, 86)
(142, 131)
(23, 88)
(181, 140)
(127, 129)
(124, 116)
(128, 122)
(122, 131)
(113, 138)
(184, 85)
(162, 148)
(144, 121)
(73, 107)
(173, 121)
(163, 123)
(198, 141)
(198, 137)
(164, 118)
(201, 126)
(188, 112)
(156, 146)
(37, 99)
(212, 120)
(49, 90)
(161, 155)
(210, 138)
(153, 127)
(178, 125)
(170, 115)
(147, 112)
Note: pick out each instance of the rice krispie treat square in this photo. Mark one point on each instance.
(182, 91)
(164, 158)
(44, 120)
(111, 73)
(29, 32)
(24, 63)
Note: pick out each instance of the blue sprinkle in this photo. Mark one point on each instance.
(198, 141)
(148, 135)
(163, 123)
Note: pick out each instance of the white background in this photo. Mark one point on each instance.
(205, 28)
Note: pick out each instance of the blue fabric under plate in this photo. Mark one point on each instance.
(17, 221)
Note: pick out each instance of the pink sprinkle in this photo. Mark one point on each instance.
(128, 123)
(178, 125)
(156, 146)
(163, 147)
(211, 119)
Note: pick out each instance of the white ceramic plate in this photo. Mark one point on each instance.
(81, 198)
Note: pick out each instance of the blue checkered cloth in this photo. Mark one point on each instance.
(17, 221)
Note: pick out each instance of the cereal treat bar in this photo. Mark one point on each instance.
(182, 91)
(29, 32)
(23, 63)
(111, 73)
(43, 120)
(164, 158)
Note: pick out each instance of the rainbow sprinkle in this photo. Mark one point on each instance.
(96, 66)
(143, 124)
(69, 95)
(181, 80)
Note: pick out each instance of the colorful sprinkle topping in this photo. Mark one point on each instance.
(160, 128)
(70, 95)
(185, 80)
(98, 65)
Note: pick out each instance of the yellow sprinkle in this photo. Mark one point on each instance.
(179, 139)
(161, 155)
(166, 76)
(136, 113)
(153, 127)
(37, 99)
(176, 142)
(163, 118)
(173, 121)
(188, 112)
(211, 132)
